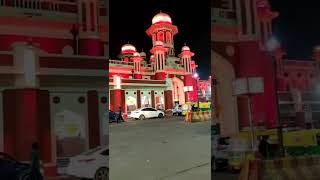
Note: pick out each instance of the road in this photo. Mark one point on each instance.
(160, 149)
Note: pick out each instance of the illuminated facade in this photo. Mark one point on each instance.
(240, 31)
(158, 81)
(52, 77)
(241, 44)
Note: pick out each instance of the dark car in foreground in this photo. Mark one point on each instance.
(11, 169)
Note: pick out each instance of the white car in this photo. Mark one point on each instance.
(146, 112)
(92, 164)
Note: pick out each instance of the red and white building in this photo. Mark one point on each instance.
(241, 41)
(53, 69)
(158, 81)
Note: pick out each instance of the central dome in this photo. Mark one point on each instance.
(161, 18)
(128, 48)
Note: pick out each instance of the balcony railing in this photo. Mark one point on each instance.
(120, 63)
(56, 6)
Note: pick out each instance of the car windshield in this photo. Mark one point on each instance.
(105, 152)
(92, 151)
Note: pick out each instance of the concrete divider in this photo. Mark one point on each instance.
(289, 168)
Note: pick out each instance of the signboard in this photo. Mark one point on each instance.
(188, 88)
(256, 85)
(245, 86)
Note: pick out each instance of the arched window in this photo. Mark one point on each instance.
(160, 36)
(168, 37)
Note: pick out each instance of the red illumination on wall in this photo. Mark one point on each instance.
(168, 37)
(6, 60)
(84, 17)
(92, 17)
(160, 36)
(72, 63)
(50, 45)
(90, 47)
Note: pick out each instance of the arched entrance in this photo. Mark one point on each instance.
(225, 102)
(177, 91)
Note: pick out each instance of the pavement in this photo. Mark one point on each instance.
(160, 149)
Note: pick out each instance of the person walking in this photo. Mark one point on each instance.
(119, 118)
(35, 173)
(264, 146)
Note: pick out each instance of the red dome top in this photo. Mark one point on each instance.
(128, 48)
(161, 18)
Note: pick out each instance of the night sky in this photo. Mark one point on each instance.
(297, 27)
(130, 19)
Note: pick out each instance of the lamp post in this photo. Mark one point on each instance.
(272, 44)
(196, 76)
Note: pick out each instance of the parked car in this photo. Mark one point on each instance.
(11, 169)
(177, 110)
(92, 164)
(146, 112)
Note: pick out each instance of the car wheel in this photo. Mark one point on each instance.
(102, 174)
(142, 117)
(25, 176)
(160, 115)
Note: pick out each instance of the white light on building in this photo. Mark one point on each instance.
(117, 82)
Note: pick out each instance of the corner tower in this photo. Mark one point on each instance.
(163, 30)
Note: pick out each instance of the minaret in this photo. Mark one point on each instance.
(265, 17)
(163, 30)
(127, 52)
(193, 67)
(89, 41)
(159, 52)
(185, 58)
(152, 63)
(137, 65)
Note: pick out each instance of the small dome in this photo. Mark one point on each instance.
(136, 54)
(152, 58)
(128, 48)
(185, 48)
(143, 54)
(159, 43)
(161, 18)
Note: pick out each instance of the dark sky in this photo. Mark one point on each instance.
(130, 19)
(297, 27)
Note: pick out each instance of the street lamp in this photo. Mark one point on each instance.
(271, 45)
(196, 76)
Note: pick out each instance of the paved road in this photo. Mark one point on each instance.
(160, 149)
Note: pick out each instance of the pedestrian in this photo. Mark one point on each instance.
(119, 118)
(263, 146)
(192, 108)
(35, 173)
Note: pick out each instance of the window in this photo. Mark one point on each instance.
(105, 153)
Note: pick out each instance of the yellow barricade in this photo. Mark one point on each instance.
(201, 116)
